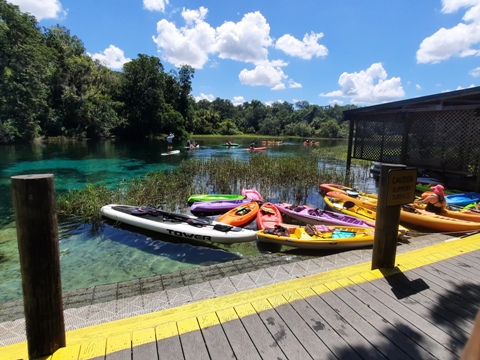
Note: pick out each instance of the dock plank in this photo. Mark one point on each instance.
(285, 338)
(259, 334)
(168, 342)
(429, 337)
(193, 344)
(237, 335)
(215, 339)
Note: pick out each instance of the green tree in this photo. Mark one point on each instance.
(23, 69)
(142, 92)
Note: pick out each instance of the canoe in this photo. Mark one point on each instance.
(229, 145)
(271, 142)
(260, 148)
(214, 197)
(252, 194)
(177, 225)
(216, 207)
(241, 215)
(324, 237)
(309, 215)
(268, 216)
(410, 216)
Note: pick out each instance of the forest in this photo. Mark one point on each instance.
(51, 88)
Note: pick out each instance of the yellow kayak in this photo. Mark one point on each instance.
(320, 237)
(351, 209)
(411, 216)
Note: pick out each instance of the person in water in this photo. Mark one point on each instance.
(229, 142)
(436, 202)
(252, 145)
(169, 141)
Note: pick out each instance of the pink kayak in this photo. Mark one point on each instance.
(309, 215)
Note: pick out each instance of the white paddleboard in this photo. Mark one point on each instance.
(173, 152)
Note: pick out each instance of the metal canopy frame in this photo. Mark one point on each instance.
(438, 133)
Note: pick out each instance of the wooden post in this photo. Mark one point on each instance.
(386, 224)
(37, 234)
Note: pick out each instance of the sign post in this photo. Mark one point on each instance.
(396, 188)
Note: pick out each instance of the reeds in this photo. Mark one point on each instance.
(288, 178)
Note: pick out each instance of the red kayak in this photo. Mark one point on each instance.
(268, 216)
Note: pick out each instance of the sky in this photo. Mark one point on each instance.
(321, 51)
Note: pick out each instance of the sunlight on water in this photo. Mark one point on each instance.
(114, 254)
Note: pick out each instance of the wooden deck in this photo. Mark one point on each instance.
(423, 309)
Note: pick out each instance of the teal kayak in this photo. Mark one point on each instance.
(214, 197)
(232, 144)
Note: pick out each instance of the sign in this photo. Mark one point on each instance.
(401, 186)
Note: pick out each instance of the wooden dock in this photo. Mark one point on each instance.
(422, 309)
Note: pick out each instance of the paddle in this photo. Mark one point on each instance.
(150, 210)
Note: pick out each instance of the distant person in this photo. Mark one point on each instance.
(436, 202)
(189, 144)
(169, 141)
(252, 145)
(229, 142)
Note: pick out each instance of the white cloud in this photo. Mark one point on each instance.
(246, 40)
(460, 40)
(203, 96)
(238, 100)
(44, 9)
(155, 5)
(294, 85)
(368, 86)
(475, 72)
(190, 44)
(418, 87)
(266, 74)
(112, 57)
(305, 49)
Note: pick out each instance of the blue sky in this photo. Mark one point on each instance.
(322, 51)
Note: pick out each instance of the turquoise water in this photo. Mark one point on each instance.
(111, 254)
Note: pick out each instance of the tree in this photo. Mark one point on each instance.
(142, 92)
(23, 69)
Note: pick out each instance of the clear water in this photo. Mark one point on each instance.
(113, 254)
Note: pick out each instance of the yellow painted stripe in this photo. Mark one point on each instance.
(164, 321)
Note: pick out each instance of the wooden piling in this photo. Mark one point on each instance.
(33, 199)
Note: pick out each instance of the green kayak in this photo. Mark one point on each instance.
(231, 144)
(214, 197)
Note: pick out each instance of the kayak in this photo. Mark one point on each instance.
(272, 142)
(309, 215)
(252, 194)
(171, 152)
(409, 215)
(177, 225)
(268, 216)
(351, 209)
(320, 237)
(241, 215)
(216, 207)
(232, 144)
(325, 188)
(256, 148)
(214, 197)
(459, 199)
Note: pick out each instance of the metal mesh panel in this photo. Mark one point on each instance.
(443, 140)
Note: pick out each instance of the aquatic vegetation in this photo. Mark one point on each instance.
(288, 178)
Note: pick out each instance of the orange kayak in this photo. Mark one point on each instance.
(268, 216)
(241, 215)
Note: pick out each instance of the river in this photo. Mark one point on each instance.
(111, 254)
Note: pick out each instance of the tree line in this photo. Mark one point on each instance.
(50, 87)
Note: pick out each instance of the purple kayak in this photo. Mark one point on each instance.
(309, 215)
(216, 207)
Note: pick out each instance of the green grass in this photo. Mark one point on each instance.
(288, 178)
